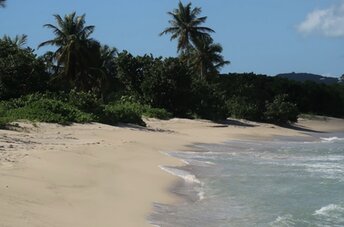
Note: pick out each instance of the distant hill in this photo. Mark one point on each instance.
(302, 77)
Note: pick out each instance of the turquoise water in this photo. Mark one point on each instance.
(247, 183)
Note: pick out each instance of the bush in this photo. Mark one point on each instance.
(124, 113)
(75, 106)
(22, 101)
(156, 113)
(44, 110)
(281, 111)
(239, 107)
(85, 101)
(21, 72)
(167, 85)
(207, 101)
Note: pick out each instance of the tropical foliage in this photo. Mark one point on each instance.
(281, 111)
(42, 108)
(194, 40)
(83, 80)
(186, 26)
(21, 72)
(18, 40)
(77, 56)
(206, 58)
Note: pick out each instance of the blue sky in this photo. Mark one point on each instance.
(262, 36)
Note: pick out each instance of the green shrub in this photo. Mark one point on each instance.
(281, 111)
(44, 110)
(123, 113)
(156, 113)
(240, 107)
(207, 101)
(85, 101)
(21, 101)
(75, 106)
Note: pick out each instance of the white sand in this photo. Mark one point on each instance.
(99, 175)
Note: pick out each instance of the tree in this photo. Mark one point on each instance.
(18, 40)
(21, 72)
(130, 73)
(186, 26)
(77, 55)
(108, 67)
(206, 58)
(108, 55)
(281, 111)
(167, 84)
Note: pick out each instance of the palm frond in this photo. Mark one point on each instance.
(59, 20)
(2, 3)
(87, 31)
(185, 25)
(196, 11)
(49, 42)
(205, 30)
(18, 40)
(169, 30)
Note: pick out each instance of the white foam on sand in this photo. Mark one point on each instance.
(187, 177)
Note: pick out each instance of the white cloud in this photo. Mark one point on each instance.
(328, 22)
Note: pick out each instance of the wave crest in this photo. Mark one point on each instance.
(329, 210)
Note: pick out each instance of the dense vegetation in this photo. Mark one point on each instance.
(85, 81)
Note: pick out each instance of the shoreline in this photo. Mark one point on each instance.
(196, 184)
(87, 175)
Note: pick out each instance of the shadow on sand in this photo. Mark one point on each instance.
(299, 128)
(142, 128)
(232, 122)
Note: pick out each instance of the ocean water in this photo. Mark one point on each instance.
(254, 183)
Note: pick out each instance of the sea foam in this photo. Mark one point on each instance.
(331, 139)
(329, 209)
(286, 220)
(188, 177)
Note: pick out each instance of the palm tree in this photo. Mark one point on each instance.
(108, 67)
(18, 40)
(107, 55)
(77, 54)
(206, 58)
(185, 26)
(2, 3)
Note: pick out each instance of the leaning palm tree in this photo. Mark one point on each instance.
(206, 58)
(76, 53)
(186, 26)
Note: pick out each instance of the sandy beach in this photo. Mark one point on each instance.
(100, 175)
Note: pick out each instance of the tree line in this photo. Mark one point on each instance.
(84, 80)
